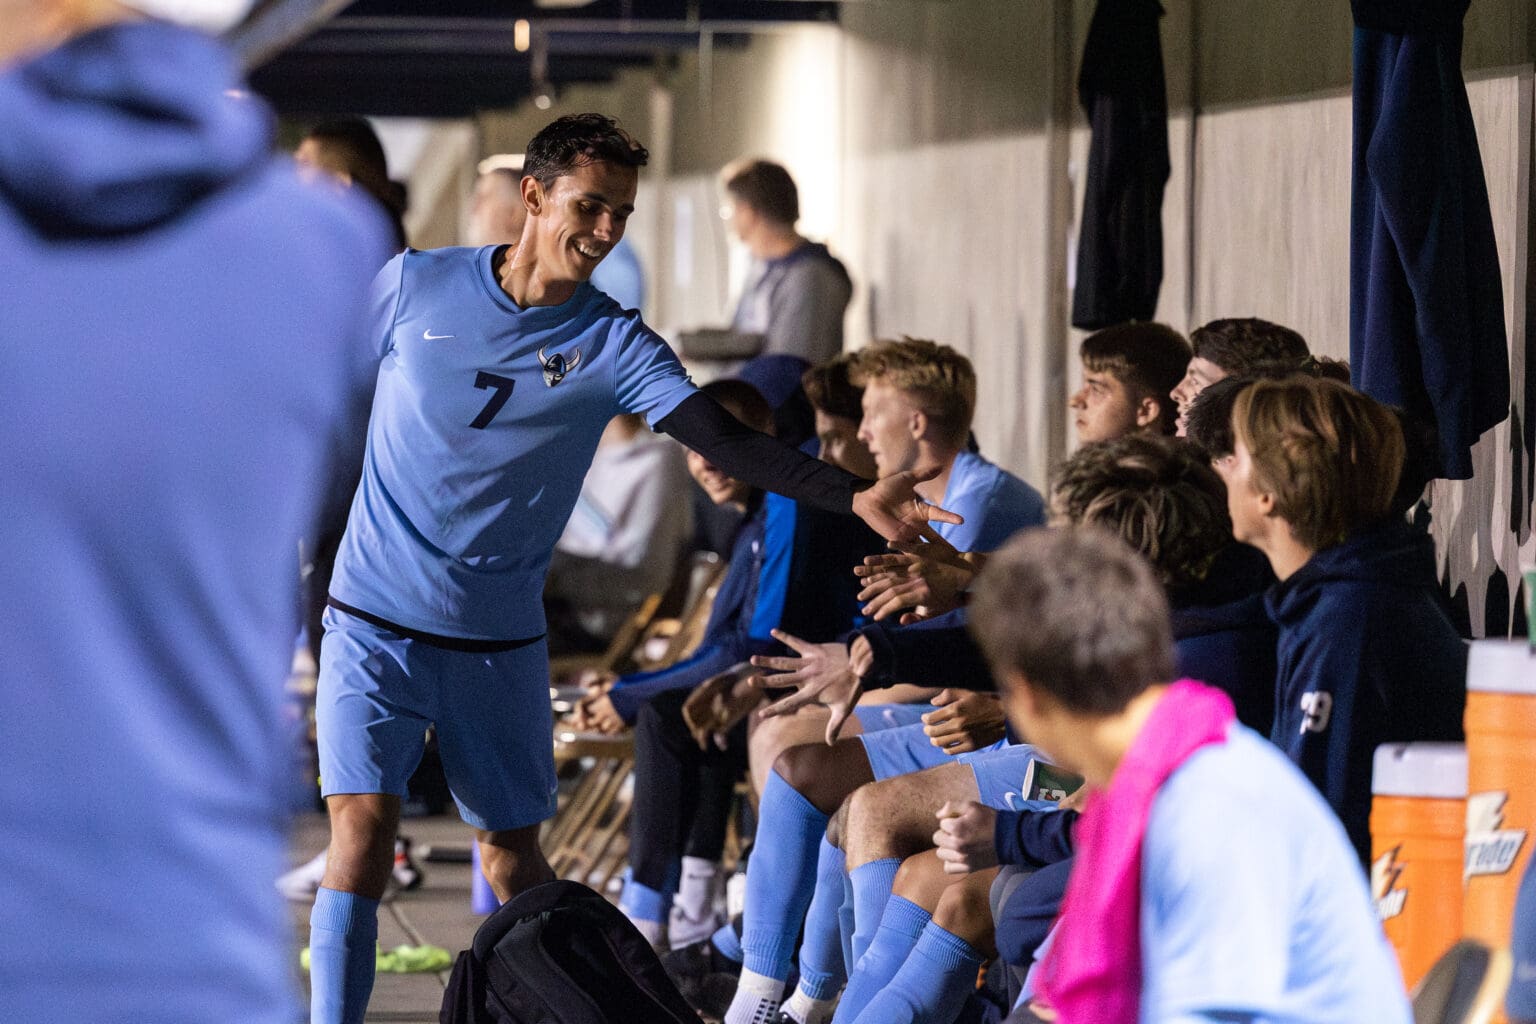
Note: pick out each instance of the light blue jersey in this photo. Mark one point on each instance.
(1253, 905)
(485, 419)
(995, 503)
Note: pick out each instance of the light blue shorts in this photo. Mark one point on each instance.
(880, 717)
(999, 768)
(378, 692)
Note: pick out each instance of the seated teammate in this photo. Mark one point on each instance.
(1367, 654)
(1128, 372)
(1211, 881)
(791, 567)
(1236, 347)
(1156, 492)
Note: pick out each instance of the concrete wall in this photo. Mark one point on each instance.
(939, 151)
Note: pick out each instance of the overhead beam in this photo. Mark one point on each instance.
(277, 25)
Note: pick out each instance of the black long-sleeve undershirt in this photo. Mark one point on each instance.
(700, 423)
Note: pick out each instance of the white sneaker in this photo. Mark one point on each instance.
(302, 882)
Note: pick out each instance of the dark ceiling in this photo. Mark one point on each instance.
(449, 58)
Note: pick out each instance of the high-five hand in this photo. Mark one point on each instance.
(820, 673)
(894, 509)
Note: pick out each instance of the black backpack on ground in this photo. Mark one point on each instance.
(561, 954)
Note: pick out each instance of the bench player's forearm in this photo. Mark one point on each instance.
(755, 458)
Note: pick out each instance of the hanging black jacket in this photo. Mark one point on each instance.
(1120, 240)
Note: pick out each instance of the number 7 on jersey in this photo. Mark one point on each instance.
(501, 391)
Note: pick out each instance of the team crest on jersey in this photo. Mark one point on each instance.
(1491, 848)
(1386, 871)
(557, 366)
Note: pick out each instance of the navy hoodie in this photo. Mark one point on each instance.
(1367, 655)
(182, 372)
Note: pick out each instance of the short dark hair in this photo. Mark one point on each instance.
(764, 186)
(353, 144)
(831, 390)
(1208, 421)
(576, 140)
(1247, 346)
(1148, 358)
(743, 401)
(1078, 614)
(1158, 494)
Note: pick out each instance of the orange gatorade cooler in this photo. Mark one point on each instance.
(1501, 783)
(1417, 819)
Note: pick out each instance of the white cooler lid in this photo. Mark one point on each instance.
(1432, 770)
(1501, 666)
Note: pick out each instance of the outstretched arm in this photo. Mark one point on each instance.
(891, 507)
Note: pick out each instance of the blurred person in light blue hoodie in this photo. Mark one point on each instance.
(183, 373)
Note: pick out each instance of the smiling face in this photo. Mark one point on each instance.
(1102, 408)
(719, 488)
(890, 428)
(1202, 373)
(579, 218)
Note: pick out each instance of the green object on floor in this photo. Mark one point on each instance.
(401, 959)
(414, 959)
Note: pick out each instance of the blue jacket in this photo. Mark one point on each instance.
(1426, 306)
(1225, 636)
(791, 568)
(1367, 655)
(183, 375)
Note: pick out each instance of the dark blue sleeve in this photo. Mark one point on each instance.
(939, 652)
(1034, 839)
(722, 646)
(1328, 717)
(632, 691)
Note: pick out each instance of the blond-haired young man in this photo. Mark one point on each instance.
(919, 398)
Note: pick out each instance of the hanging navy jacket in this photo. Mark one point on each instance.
(1367, 656)
(1426, 306)
(1120, 240)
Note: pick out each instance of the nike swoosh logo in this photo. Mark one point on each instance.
(427, 335)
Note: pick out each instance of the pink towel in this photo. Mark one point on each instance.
(1092, 974)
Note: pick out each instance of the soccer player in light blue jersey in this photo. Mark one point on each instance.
(499, 367)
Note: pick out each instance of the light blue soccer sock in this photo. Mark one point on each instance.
(781, 877)
(845, 919)
(931, 986)
(900, 926)
(727, 942)
(646, 909)
(822, 971)
(872, 884)
(343, 938)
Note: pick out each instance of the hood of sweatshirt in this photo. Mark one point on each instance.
(125, 127)
(1389, 555)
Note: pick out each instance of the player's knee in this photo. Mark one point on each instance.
(803, 767)
(921, 879)
(964, 910)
